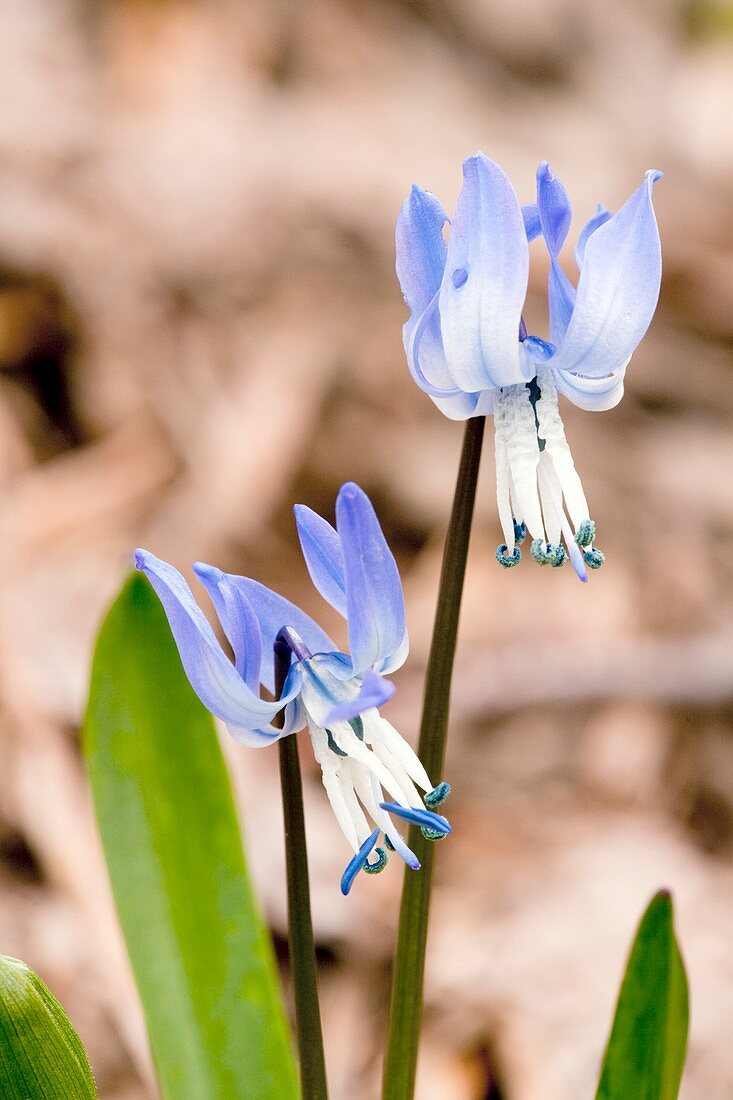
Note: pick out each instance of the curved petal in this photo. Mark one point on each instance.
(238, 619)
(421, 250)
(601, 216)
(273, 613)
(428, 367)
(374, 692)
(423, 343)
(212, 675)
(617, 291)
(554, 208)
(323, 555)
(376, 607)
(555, 216)
(485, 281)
(591, 394)
(532, 224)
(561, 300)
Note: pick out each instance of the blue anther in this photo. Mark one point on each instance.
(437, 796)
(539, 551)
(585, 534)
(520, 531)
(333, 746)
(417, 816)
(594, 558)
(432, 834)
(460, 275)
(388, 844)
(557, 555)
(379, 863)
(356, 863)
(505, 558)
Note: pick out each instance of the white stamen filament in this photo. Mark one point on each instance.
(410, 797)
(575, 555)
(383, 761)
(377, 728)
(517, 446)
(534, 486)
(556, 446)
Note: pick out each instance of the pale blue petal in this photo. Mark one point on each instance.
(617, 291)
(601, 216)
(555, 217)
(554, 208)
(532, 223)
(561, 300)
(212, 675)
(373, 692)
(356, 863)
(293, 716)
(421, 252)
(273, 613)
(485, 281)
(428, 367)
(238, 620)
(323, 555)
(421, 249)
(592, 394)
(376, 608)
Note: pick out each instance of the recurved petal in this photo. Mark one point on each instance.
(485, 281)
(601, 216)
(428, 367)
(212, 675)
(238, 619)
(554, 208)
(321, 546)
(617, 290)
(591, 394)
(273, 613)
(532, 223)
(421, 250)
(561, 299)
(374, 600)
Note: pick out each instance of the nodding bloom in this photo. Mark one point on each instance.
(467, 344)
(370, 773)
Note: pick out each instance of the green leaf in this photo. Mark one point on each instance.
(201, 955)
(41, 1056)
(645, 1055)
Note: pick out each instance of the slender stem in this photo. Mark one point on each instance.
(300, 925)
(400, 1064)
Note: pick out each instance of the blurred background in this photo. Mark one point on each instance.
(200, 324)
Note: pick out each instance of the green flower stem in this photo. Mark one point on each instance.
(400, 1063)
(300, 925)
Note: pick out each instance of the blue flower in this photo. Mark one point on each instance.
(467, 344)
(334, 694)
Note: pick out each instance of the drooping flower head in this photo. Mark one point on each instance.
(467, 344)
(369, 771)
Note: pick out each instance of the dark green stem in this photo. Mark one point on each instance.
(407, 983)
(300, 925)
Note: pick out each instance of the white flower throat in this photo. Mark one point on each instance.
(537, 485)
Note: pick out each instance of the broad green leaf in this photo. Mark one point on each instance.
(201, 955)
(645, 1055)
(41, 1056)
